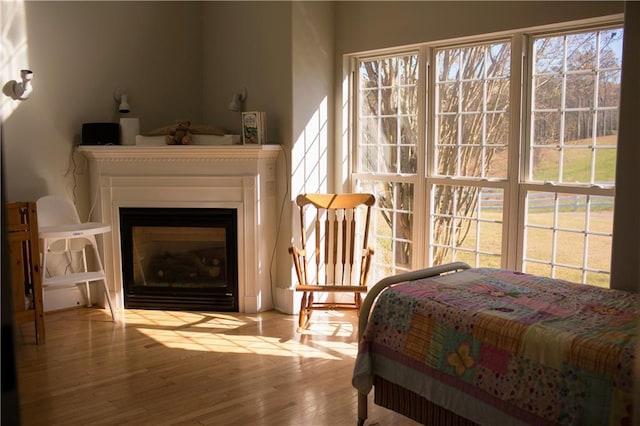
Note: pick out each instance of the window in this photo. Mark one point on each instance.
(468, 165)
(575, 93)
(387, 148)
(471, 147)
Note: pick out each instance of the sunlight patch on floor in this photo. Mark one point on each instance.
(233, 333)
(215, 342)
(212, 321)
(329, 323)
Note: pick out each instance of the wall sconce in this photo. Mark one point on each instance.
(122, 99)
(237, 102)
(19, 90)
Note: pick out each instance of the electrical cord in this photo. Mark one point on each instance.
(279, 225)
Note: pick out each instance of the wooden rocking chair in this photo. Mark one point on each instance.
(334, 256)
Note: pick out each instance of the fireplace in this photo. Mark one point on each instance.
(241, 178)
(179, 258)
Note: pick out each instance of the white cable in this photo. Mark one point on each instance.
(279, 224)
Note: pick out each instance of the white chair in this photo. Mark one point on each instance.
(61, 231)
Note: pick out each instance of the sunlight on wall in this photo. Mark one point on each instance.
(218, 332)
(13, 49)
(309, 156)
(344, 140)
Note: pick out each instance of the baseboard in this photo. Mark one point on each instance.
(286, 302)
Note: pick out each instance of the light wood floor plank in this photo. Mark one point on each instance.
(191, 368)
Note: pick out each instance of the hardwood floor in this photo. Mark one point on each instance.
(191, 368)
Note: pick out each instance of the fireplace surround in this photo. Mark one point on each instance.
(237, 177)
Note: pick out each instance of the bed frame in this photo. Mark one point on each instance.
(419, 408)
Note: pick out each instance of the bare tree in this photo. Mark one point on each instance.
(465, 140)
(472, 114)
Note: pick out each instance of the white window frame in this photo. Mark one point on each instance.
(515, 186)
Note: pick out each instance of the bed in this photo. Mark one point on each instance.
(454, 345)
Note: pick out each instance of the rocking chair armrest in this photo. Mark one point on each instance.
(295, 251)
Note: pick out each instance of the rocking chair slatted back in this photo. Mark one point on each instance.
(328, 259)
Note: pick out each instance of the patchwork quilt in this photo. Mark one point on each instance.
(490, 342)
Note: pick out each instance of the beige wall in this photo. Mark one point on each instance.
(185, 59)
(248, 44)
(79, 53)
(362, 26)
(625, 267)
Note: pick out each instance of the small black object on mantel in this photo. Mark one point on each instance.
(101, 134)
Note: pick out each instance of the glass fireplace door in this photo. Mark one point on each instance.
(179, 258)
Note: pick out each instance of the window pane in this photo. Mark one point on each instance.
(448, 65)
(408, 66)
(539, 244)
(611, 48)
(597, 258)
(476, 86)
(569, 248)
(471, 129)
(545, 164)
(447, 160)
(607, 128)
(548, 56)
(497, 126)
(473, 62)
(567, 274)
(546, 128)
(448, 97)
(582, 82)
(569, 232)
(548, 92)
(579, 91)
(472, 93)
(391, 231)
(369, 103)
(600, 215)
(598, 279)
(498, 95)
(407, 100)
(408, 129)
(388, 103)
(466, 220)
(448, 129)
(496, 65)
(576, 165)
(577, 127)
(470, 157)
(608, 93)
(581, 51)
(574, 208)
(537, 269)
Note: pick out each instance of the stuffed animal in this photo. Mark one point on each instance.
(179, 134)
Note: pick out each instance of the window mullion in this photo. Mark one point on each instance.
(421, 203)
(513, 214)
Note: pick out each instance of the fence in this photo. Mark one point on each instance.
(493, 199)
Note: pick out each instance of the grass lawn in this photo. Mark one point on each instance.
(575, 241)
(570, 246)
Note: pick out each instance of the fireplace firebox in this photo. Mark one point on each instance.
(180, 258)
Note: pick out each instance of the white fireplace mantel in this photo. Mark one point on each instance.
(241, 177)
